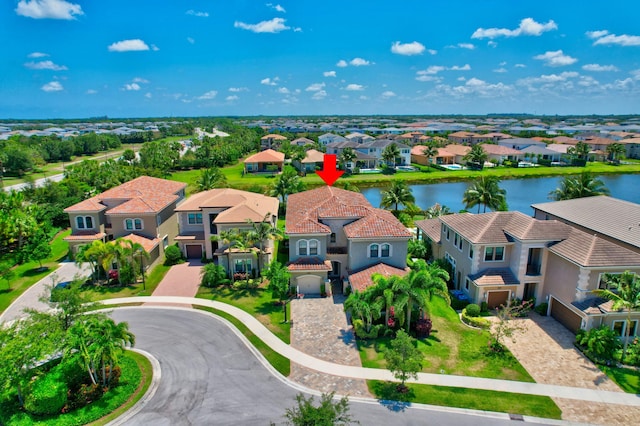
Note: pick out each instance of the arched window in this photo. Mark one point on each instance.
(313, 247)
(373, 250)
(80, 222)
(385, 250)
(88, 221)
(128, 224)
(303, 248)
(133, 224)
(137, 223)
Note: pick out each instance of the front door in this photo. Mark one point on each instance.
(335, 271)
(529, 291)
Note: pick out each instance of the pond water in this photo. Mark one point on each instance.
(521, 193)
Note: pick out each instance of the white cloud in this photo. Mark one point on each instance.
(198, 14)
(407, 49)
(635, 74)
(209, 95)
(621, 40)
(315, 87)
(388, 94)
(596, 34)
(297, 30)
(273, 26)
(48, 9)
(465, 67)
(341, 63)
(432, 51)
(527, 27)
(45, 65)
(363, 98)
(128, 46)
(492, 43)
(53, 86)
(359, 62)
(319, 95)
(91, 92)
(37, 55)
(425, 77)
(520, 66)
(238, 89)
(231, 98)
(154, 48)
(500, 70)
(148, 95)
(269, 81)
(466, 46)
(283, 90)
(140, 80)
(329, 73)
(354, 87)
(191, 40)
(599, 68)
(132, 86)
(556, 58)
(432, 70)
(276, 7)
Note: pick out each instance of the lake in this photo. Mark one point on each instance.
(521, 193)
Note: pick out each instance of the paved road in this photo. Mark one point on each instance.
(38, 182)
(209, 376)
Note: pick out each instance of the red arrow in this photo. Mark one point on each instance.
(330, 172)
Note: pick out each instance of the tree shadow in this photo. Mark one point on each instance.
(390, 397)
(35, 271)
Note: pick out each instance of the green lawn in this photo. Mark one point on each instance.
(29, 273)
(134, 382)
(280, 363)
(626, 378)
(152, 280)
(504, 402)
(258, 302)
(452, 348)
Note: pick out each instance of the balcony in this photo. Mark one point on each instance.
(533, 269)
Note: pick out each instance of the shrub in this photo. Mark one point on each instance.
(127, 275)
(213, 275)
(599, 343)
(46, 395)
(475, 321)
(473, 310)
(542, 309)
(484, 307)
(172, 255)
(458, 304)
(358, 327)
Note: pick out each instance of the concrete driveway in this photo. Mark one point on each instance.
(545, 349)
(209, 376)
(182, 280)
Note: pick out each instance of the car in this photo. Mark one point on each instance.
(58, 288)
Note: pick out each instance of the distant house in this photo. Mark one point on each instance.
(311, 162)
(302, 142)
(268, 161)
(521, 143)
(442, 156)
(359, 137)
(212, 212)
(271, 141)
(141, 210)
(536, 152)
(337, 235)
(501, 153)
(328, 138)
(459, 152)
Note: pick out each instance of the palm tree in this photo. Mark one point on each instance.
(359, 304)
(130, 252)
(383, 291)
(262, 231)
(242, 241)
(616, 151)
(211, 178)
(485, 191)
(476, 156)
(584, 185)
(390, 153)
(347, 156)
(430, 151)
(398, 193)
(98, 254)
(286, 183)
(624, 291)
(437, 210)
(581, 150)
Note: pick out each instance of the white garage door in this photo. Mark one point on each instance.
(309, 284)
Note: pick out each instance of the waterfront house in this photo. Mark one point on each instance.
(268, 161)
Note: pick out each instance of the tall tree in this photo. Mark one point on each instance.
(430, 151)
(279, 283)
(398, 193)
(211, 178)
(348, 155)
(581, 150)
(624, 291)
(584, 185)
(404, 359)
(286, 183)
(476, 157)
(261, 232)
(485, 191)
(616, 151)
(390, 153)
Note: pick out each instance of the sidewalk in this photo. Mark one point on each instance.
(31, 297)
(555, 391)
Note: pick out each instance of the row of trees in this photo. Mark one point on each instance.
(126, 254)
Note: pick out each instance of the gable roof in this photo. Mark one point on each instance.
(431, 227)
(591, 251)
(238, 205)
(495, 276)
(313, 156)
(492, 149)
(361, 280)
(274, 137)
(266, 156)
(458, 149)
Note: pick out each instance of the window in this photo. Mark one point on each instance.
(385, 250)
(620, 328)
(373, 250)
(242, 265)
(84, 222)
(88, 220)
(332, 238)
(194, 218)
(80, 222)
(448, 234)
(313, 247)
(459, 244)
(493, 254)
(128, 224)
(302, 248)
(605, 280)
(133, 224)
(455, 239)
(470, 251)
(308, 247)
(137, 223)
(466, 284)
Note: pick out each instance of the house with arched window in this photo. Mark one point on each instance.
(336, 235)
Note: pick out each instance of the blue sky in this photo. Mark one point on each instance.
(139, 58)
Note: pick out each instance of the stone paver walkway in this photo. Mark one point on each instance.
(545, 349)
(320, 329)
(182, 280)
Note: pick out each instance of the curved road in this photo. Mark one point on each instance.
(210, 376)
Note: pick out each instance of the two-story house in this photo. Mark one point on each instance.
(210, 213)
(559, 256)
(337, 234)
(141, 210)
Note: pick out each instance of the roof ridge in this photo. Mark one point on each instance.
(591, 248)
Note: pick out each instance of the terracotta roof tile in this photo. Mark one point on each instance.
(457, 149)
(378, 223)
(89, 205)
(239, 205)
(147, 243)
(361, 280)
(273, 136)
(267, 156)
(309, 264)
(85, 236)
(499, 149)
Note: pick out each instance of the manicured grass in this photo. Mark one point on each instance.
(452, 348)
(29, 273)
(280, 363)
(626, 378)
(504, 402)
(257, 302)
(113, 292)
(134, 382)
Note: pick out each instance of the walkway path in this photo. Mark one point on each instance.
(555, 391)
(182, 280)
(67, 271)
(319, 328)
(545, 349)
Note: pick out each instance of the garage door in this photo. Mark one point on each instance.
(497, 298)
(309, 284)
(565, 316)
(194, 251)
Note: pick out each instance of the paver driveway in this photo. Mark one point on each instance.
(546, 350)
(181, 280)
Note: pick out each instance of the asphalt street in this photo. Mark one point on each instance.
(210, 377)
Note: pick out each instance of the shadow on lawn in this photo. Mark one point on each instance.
(389, 396)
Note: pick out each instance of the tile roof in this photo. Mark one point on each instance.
(143, 194)
(431, 227)
(492, 149)
(495, 276)
(458, 149)
(524, 227)
(378, 223)
(313, 156)
(190, 236)
(274, 137)
(309, 264)
(595, 213)
(267, 156)
(239, 205)
(147, 243)
(85, 236)
(360, 280)
(566, 140)
(591, 251)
